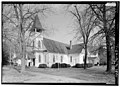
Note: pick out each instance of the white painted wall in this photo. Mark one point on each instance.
(37, 59)
(81, 58)
(75, 59)
(57, 58)
(38, 37)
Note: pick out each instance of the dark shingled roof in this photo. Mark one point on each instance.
(76, 48)
(55, 46)
(37, 24)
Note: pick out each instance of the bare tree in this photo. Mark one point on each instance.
(21, 17)
(106, 23)
(86, 23)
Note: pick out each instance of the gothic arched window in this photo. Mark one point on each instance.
(70, 58)
(39, 58)
(39, 44)
(53, 58)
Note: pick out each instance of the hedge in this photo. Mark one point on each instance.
(62, 65)
(42, 66)
(82, 65)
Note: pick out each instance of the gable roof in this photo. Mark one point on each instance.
(76, 48)
(55, 46)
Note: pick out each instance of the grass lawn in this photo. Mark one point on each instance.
(95, 74)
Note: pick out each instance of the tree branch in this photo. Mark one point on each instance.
(95, 12)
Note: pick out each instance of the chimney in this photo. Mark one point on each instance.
(70, 44)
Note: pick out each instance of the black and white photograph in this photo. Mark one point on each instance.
(68, 42)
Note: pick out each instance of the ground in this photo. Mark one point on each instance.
(95, 74)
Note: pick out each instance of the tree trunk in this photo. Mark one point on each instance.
(109, 57)
(23, 55)
(22, 40)
(85, 59)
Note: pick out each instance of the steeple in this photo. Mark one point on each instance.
(37, 27)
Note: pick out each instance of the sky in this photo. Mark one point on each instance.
(62, 24)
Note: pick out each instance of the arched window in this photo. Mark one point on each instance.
(53, 58)
(70, 58)
(40, 44)
(39, 58)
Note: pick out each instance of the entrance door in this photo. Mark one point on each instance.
(34, 62)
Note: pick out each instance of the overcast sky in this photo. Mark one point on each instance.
(62, 23)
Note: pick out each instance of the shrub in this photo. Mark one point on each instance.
(79, 65)
(68, 65)
(103, 63)
(56, 65)
(82, 65)
(42, 66)
(63, 65)
(89, 65)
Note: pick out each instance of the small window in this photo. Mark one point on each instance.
(70, 58)
(53, 58)
(61, 59)
(39, 58)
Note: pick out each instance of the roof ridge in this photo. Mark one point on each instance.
(56, 41)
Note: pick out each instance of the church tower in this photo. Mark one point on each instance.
(38, 48)
(38, 34)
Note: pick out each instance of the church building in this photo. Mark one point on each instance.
(46, 51)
